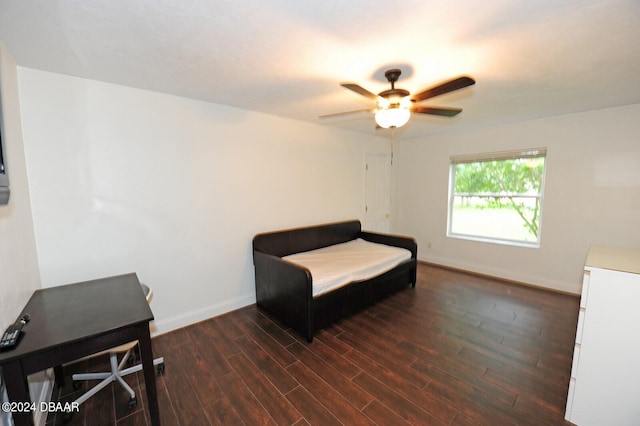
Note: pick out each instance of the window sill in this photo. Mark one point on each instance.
(534, 245)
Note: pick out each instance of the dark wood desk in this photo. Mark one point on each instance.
(72, 321)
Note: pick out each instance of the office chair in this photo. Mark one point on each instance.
(117, 369)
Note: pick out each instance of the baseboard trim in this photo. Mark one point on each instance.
(571, 289)
(192, 317)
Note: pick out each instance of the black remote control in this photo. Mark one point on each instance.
(12, 333)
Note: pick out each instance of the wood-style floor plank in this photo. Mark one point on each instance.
(270, 398)
(345, 387)
(328, 396)
(458, 349)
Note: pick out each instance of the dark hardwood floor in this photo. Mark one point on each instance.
(458, 349)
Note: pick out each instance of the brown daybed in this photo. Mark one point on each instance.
(306, 301)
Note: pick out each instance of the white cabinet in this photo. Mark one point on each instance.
(605, 377)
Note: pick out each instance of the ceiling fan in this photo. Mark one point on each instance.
(394, 106)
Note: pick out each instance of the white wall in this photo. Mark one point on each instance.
(592, 194)
(172, 188)
(19, 274)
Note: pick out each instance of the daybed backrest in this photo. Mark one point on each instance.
(290, 241)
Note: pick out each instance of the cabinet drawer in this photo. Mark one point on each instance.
(572, 388)
(576, 360)
(585, 289)
(580, 327)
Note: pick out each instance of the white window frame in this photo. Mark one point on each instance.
(496, 156)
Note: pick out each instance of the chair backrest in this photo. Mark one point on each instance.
(148, 291)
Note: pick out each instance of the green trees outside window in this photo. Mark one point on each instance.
(497, 196)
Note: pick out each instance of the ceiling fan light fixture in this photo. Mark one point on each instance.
(393, 117)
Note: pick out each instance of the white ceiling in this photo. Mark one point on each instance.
(530, 58)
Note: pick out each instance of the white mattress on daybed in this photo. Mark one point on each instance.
(356, 260)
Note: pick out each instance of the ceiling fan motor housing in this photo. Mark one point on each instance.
(393, 95)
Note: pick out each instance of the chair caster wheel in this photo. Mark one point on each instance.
(160, 368)
(67, 416)
(77, 385)
(133, 402)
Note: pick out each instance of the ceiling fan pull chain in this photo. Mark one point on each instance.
(392, 140)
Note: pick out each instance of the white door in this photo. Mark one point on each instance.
(378, 193)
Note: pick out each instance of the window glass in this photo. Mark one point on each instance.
(497, 196)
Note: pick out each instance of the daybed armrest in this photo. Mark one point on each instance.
(276, 276)
(284, 289)
(408, 243)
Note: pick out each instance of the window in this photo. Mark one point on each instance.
(497, 196)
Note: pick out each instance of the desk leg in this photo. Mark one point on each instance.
(17, 391)
(59, 375)
(149, 373)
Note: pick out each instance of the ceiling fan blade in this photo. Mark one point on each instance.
(336, 114)
(441, 89)
(447, 112)
(360, 90)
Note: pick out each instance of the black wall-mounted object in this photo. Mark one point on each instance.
(4, 176)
